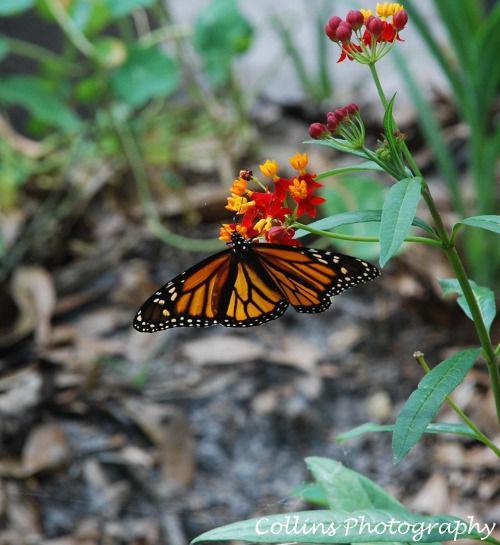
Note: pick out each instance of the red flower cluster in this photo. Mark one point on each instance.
(364, 37)
(267, 214)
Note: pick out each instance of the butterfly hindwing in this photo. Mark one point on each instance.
(254, 298)
(308, 277)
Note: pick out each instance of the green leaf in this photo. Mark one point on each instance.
(312, 493)
(13, 7)
(119, 8)
(389, 125)
(220, 33)
(147, 73)
(400, 207)
(349, 490)
(361, 167)
(424, 403)
(360, 216)
(490, 223)
(337, 144)
(339, 526)
(438, 427)
(33, 94)
(484, 296)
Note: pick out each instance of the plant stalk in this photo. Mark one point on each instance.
(455, 261)
(354, 238)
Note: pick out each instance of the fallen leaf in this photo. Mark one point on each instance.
(222, 350)
(45, 448)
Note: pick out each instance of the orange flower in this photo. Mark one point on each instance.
(299, 161)
(227, 229)
(239, 187)
(239, 204)
(264, 224)
(269, 168)
(298, 189)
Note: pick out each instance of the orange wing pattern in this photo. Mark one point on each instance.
(251, 284)
(253, 299)
(221, 289)
(190, 299)
(308, 278)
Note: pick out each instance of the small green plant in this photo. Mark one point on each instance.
(111, 94)
(353, 508)
(469, 64)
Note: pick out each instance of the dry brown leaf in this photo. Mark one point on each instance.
(295, 352)
(45, 448)
(19, 392)
(433, 497)
(222, 350)
(35, 295)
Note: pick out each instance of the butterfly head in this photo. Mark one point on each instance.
(239, 243)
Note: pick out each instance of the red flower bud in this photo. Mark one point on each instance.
(317, 130)
(331, 121)
(352, 108)
(399, 19)
(344, 32)
(279, 234)
(343, 112)
(375, 26)
(331, 27)
(355, 19)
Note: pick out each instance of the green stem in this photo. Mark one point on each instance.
(354, 238)
(419, 356)
(454, 259)
(42, 55)
(70, 29)
(153, 220)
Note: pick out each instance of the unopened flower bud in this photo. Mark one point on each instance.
(375, 26)
(317, 131)
(344, 32)
(399, 19)
(352, 108)
(355, 19)
(331, 27)
(331, 121)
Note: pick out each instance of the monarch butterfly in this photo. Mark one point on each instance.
(251, 283)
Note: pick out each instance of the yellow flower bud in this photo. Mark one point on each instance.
(269, 168)
(299, 161)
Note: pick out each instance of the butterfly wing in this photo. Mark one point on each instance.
(224, 289)
(190, 299)
(308, 278)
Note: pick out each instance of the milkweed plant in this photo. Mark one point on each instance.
(354, 509)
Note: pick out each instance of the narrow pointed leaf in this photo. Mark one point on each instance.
(360, 216)
(437, 427)
(339, 526)
(398, 213)
(349, 490)
(484, 296)
(361, 167)
(424, 403)
(490, 223)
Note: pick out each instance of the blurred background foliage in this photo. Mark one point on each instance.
(122, 83)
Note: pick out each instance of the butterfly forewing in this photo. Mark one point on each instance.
(190, 299)
(309, 277)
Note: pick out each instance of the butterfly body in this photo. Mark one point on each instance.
(251, 283)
